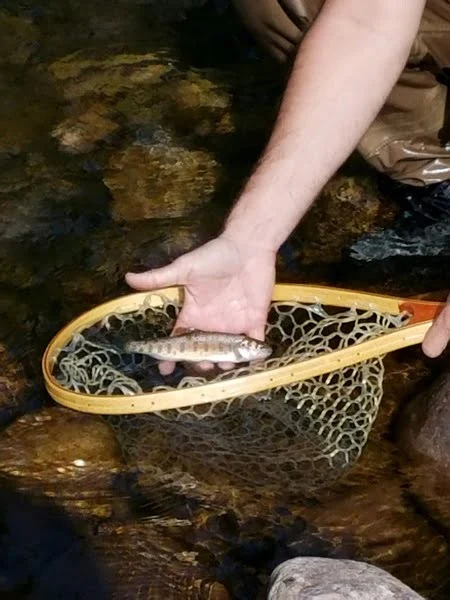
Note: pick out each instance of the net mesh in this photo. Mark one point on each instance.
(297, 437)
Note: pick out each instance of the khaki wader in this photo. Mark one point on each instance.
(410, 138)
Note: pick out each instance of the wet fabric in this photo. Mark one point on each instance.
(410, 139)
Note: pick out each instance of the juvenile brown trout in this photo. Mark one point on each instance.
(196, 346)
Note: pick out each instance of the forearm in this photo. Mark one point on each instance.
(344, 70)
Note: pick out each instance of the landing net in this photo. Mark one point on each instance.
(298, 437)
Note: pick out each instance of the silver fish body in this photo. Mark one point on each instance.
(197, 346)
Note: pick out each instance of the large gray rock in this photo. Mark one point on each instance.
(423, 426)
(423, 436)
(310, 578)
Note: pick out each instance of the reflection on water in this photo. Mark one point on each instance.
(125, 135)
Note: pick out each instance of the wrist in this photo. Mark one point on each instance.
(252, 232)
(266, 215)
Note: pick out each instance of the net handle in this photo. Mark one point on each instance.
(423, 314)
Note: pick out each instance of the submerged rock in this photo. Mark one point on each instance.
(81, 133)
(424, 426)
(110, 73)
(15, 388)
(28, 109)
(375, 523)
(146, 88)
(18, 40)
(421, 229)
(313, 578)
(160, 181)
(67, 455)
(154, 560)
(433, 240)
(146, 245)
(46, 215)
(347, 207)
(423, 431)
(58, 437)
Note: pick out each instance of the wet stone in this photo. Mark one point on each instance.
(348, 207)
(423, 434)
(192, 104)
(374, 522)
(82, 75)
(424, 427)
(327, 579)
(58, 437)
(81, 133)
(146, 89)
(70, 456)
(154, 560)
(15, 389)
(405, 372)
(159, 181)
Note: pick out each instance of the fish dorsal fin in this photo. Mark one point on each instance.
(183, 331)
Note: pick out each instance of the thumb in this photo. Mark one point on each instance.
(438, 336)
(155, 278)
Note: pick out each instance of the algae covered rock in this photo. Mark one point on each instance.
(145, 89)
(159, 181)
(81, 133)
(83, 74)
(347, 207)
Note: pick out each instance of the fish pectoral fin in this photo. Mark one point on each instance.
(239, 355)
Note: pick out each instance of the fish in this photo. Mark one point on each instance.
(196, 346)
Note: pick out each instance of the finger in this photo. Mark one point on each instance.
(166, 367)
(198, 368)
(438, 336)
(203, 366)
(258, 332)
(226, 366)
(155, 278)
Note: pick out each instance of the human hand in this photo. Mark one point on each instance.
(438, 336)
(227, 287)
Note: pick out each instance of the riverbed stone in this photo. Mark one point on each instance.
(160, 181)
(311, 578)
